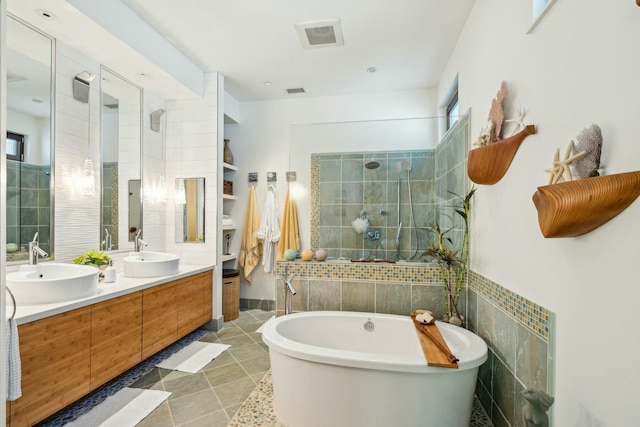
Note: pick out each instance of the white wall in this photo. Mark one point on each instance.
(77, 217)
(580, 66)
(37, 132)
(261, 143)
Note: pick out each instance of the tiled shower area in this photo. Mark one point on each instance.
(28, 206)
(402, 195)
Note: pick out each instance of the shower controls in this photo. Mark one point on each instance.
(372, 234)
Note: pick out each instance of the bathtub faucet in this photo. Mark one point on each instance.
(289, 290)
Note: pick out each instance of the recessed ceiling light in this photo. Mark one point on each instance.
(45, 14)
(372, 70)
(267, 83)
(143, 75)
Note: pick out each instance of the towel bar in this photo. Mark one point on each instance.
(13, 299)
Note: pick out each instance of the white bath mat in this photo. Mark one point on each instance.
(259, 330)
(126, 408)
(193, 357)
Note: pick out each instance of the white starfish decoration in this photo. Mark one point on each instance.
(560, 170)
(519, 120)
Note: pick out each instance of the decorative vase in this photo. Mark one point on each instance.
(228, 155)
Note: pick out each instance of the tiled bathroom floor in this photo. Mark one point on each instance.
(233, 390)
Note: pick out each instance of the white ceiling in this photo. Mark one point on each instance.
(254, 41)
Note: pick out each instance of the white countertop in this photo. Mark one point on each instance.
(106, 291)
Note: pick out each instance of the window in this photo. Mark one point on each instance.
(452, 111)
(15, 146)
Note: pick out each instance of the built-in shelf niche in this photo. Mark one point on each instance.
(488, 164)
(570, 209)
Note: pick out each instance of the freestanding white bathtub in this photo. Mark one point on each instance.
(330, 370)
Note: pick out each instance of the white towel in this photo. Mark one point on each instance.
(269, 231)
(14, 367)
(193, 357)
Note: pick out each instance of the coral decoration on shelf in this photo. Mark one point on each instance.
(574, 208)
(590, 141)
(488, 164)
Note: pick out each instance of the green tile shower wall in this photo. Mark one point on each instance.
(341, 187)
(28, 205)
(110, 201)
(519, 333)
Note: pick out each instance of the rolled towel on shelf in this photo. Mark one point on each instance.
(227, 221)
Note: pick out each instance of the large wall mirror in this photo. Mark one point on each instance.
(121, 137)
(29, 139)
(190, 210)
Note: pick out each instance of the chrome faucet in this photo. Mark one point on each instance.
(289, 290)
(106, 243)
(35, 251)
(138, 243)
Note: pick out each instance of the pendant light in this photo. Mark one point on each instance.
(82, 92)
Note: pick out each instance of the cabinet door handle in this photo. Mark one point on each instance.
(228, 283)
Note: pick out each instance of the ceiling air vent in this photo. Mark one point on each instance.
(295, 90)
(320, 33)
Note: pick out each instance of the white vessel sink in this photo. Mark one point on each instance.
(150, 264)
(52, 282)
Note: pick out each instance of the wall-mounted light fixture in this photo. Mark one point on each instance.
(157, 191)
(81, 86)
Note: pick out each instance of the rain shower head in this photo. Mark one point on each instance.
(372, 164)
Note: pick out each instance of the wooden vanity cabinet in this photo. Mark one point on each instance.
(173, 310)
(56, 364)
(66, 356)
(207, 283)
(159, 318)
(116, 328)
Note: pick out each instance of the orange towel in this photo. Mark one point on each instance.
(289, 233)
(251, 247)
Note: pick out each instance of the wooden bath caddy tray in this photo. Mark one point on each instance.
(435, 348)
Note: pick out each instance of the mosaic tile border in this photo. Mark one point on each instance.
(315, 200)
(530, 314)
(372, 271)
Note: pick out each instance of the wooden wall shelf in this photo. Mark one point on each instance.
(570, 209)
(488, 164)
